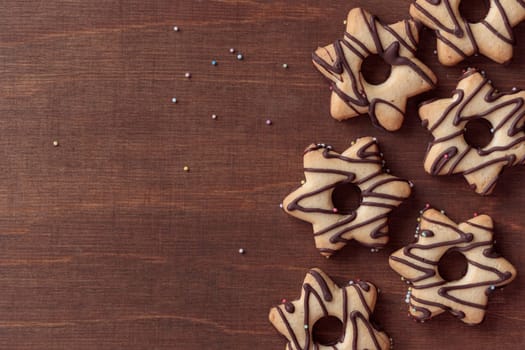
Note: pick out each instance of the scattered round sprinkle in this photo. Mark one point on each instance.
(476, 214)
(418, 219)
(435, 52)
(55, 143)
(281, 205)
(232, 50)
(186, 168)
(269, 122)
(241, 251)
(303, 182)
(214, 116)
(387, 171)
(305, 326)
(174, 100)
(240, 57)
(492, 287)
(492, 130)
(445, 156)
(411, 184)
(442, 212)
(285, 65)
(283, 300)
(187, 75)
(416, 235)
(335, 210)
(352, 143)
(427, 205)
(514, 89)
(344, 22)
(214, 62)
(176, 29)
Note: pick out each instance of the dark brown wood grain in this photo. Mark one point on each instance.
(106, 243)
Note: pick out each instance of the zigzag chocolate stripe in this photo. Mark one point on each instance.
(320, 294)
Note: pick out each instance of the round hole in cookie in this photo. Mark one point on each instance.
(346, 198)
(478, 133)
(375, 70)
(327, 331)
(474, 11)
(452, 266)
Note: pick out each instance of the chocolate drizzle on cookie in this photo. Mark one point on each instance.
(352, 305)
(360, 165)
(429, 294)
(395, 44)
(466, 39)
(449, 153)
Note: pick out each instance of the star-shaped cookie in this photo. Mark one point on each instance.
(429, 294)
(321, 297)
(457, 38)
(449, 153)
(361, 165)
(341, 63)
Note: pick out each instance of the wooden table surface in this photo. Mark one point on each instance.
(106, 243)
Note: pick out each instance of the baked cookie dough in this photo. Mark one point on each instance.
(429, 294)
(321, 297)
(457, 38)
(361, 165)
(449, 153)
(341, 63)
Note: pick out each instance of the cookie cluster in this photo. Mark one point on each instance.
(362, 165)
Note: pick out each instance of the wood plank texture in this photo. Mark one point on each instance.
(106, 243)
